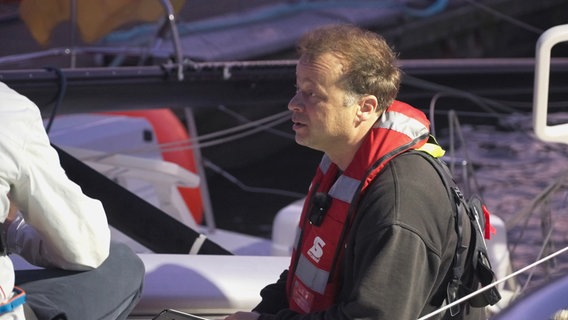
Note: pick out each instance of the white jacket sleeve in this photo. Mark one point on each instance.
(63, 227)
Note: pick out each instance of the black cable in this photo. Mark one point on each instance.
(62, 87)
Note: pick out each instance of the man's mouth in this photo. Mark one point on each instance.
(297, 124)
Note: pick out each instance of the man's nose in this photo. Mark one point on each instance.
(295, 103)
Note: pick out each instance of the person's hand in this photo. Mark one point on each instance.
(241, 315)
(12, 212)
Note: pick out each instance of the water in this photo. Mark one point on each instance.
(523, 181)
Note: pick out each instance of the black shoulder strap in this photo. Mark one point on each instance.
(134, 216)
(461, 226)
(470, 265)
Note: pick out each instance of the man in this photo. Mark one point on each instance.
(377, 235)
(49, 221)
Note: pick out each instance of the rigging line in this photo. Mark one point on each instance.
(257, 123)
(455, 123)
(505, 17)
(525, 225)
(188, 146)
(193, 142)
(484, 103)
(530, 105)
(453, 118)
(246, 120)
(545, 194)
(540, 253)
(432, 108)
(437, 96)
(247, 188)
(229, 138)
(275, 117)
(540, 199)
(470, 113)
(494, 284)
(196, 143)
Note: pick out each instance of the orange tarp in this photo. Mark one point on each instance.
(95, 18)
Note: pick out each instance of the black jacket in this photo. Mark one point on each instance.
(398, 253)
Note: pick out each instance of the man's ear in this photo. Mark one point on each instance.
(368, 107)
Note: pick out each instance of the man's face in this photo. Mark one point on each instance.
(321, 119)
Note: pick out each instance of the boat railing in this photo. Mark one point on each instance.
(545, 44)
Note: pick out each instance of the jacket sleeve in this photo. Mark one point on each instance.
(274, 296)
(61, 226)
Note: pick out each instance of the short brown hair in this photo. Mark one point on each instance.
(371, 65)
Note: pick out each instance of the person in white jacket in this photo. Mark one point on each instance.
(51, 223)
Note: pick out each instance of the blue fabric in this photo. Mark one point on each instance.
(108, 292)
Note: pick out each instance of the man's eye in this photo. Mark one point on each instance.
(309, 94)
(306, 94)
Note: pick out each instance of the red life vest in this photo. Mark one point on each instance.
(313, 277)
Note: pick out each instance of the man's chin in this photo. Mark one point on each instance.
(303, 141)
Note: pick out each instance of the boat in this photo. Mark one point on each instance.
(99, 104)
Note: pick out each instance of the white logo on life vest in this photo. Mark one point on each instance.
(316, 251)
